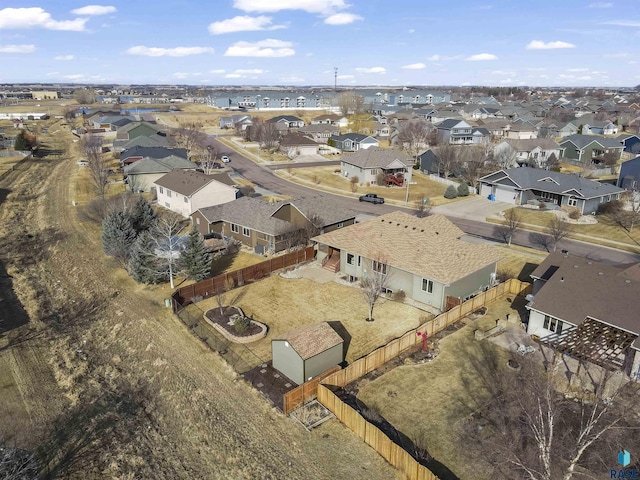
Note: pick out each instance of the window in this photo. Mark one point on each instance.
(168, 193)
(359, 260)
(235, 228)
(161, 190)
(186, 200)
(351, 259)
(380, 267)
(245, 231)
(572, 202)
(340, 225)
(553, 324)
(197, 220)
(167, 204)
(427, 285)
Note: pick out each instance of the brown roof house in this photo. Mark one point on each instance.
(423, 257)
(184, 191)
(368, 163)
(295, 144)
(306, 352)
(588, 310)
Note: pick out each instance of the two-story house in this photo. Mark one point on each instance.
(455, 132)
(533, 152)
(588, 148)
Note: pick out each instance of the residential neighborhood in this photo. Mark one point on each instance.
(229, 252)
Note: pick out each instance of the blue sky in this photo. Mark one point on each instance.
(299, 42)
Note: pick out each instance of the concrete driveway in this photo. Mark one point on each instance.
(473, 208)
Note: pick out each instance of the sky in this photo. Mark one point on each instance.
(301, 42)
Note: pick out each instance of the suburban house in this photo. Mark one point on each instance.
(599, 127)
(522, 131)
(631, 142)
(184, 192)
(585, 309)
(629, 175)
(381, 129)
(141, 175)
(307, 351)
(533, 152)
(352, 142)
(497, 128)
(137, 129)
(520, 186)
(367, 164)
(272, 227)
(429, 162)
(456, 132)
(288, 121)
(111, 122)
(133, 154)
(423, 257)
(295, 144)
(236, 121)
(331, 119)
(480, 135)
(141, 141)
(567, 129)
(320, 132)
(588, 148)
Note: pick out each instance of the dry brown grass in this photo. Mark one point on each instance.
(519, 262)
(285, 304)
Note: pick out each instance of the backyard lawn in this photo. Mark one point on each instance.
(284, 304)
(605, 229)
(435, 396)
(518, 262)
(329, 178)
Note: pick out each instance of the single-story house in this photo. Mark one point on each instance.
(272, 227)
(331, 119)
(367, 164)
(352, 142)
(320, 132)
(289, 121)
(295, 144)
(137, 129)
(423, 257)
(589, 148)
(141, 141)
(521, 185)
(233, 121)
(629, 175)
(141, 175)
(137, 152)
(306, 352)
(533, 152)
(567, 129)
(588, 310)
(522, 131)
(184, 191)
(599, 127)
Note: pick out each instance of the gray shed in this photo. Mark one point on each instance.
(306, 352)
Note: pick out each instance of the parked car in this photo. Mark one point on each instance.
(371, 198)
(225, 159)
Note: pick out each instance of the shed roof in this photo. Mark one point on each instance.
(311, 340)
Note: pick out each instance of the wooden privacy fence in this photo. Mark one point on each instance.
(394, 348)
(305, 392)
(374, 437)
(209, 286)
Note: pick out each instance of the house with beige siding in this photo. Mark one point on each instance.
(423, 257)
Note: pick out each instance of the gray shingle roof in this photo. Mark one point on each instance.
(582, 141)
(249, 212)
(158, 165)
(188, 182)
(326, 209)
(527, 178)
(153, 152)
(377, 158)
(526, 145)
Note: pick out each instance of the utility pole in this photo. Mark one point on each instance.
(335, 79)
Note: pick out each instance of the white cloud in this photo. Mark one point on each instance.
(623, 23)
(502, 72)
(411, 30)
(342, 18)
(242, 23)
(326, 7)
(64, 57)
(264, 48)
(601, 5)
(181, 75)
(414, 66)
(372, 70)
(24, 48)
(539, 45)
(94, 10)
(481, 57)
(34, 17)
(233, 75)
(167, 52)
(76, 76)
(434, 58)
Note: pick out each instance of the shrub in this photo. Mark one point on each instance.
(463, 190)
(451, 192)
(247, 191)
(610, 208)
(354, 184)
(399, 296)
(241, 324)
(574, 214)
(542, 205)
(380, 178)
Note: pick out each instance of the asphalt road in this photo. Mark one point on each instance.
(263, 176)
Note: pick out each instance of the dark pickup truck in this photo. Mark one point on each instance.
(371, 198)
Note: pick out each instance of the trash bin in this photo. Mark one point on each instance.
(167, 302)
(492, 198)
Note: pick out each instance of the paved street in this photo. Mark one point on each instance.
(468, 215)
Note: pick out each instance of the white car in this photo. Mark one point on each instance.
(225, 159)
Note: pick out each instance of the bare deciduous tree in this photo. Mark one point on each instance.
(512, 222)
(165, 243)
(448, 158)
(422, 208)
(350, 103)
(413, 136)
(375, 283)
(506, 157)
(558, 229)
(97, 163)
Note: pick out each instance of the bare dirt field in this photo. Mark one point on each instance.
(104, 382)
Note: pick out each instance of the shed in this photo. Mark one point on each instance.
(306, 352)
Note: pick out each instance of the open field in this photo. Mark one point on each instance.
(129, 391)
(427, 400)
(284, 304)
(329, 178)
(605, 229)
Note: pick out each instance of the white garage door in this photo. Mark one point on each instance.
(485, 190)
(505, 194)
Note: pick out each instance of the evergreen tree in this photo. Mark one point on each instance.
(143, 263)
(463, 190)
(21, 142)
(143, 216)
(118, 236)
(451, 192)
(194, 259)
